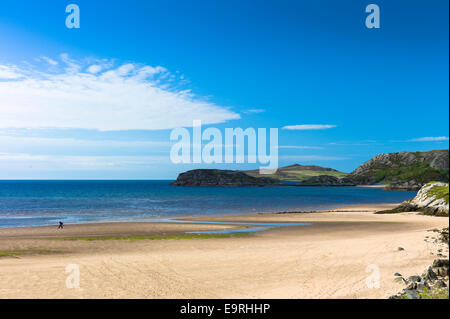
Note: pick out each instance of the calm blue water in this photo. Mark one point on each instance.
(33, 203)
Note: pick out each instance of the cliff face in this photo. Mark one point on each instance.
(432, 199)
(404, 170)
(215, 177)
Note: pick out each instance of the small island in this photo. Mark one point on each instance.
(215, 177)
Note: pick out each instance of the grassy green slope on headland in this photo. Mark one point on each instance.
(440, 192)
(297, 173)
(412, 169)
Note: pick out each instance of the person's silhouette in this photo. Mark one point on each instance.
(61, 225)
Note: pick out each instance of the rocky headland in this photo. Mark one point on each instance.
(404, 170)
(399, 171)
(215, 177)
(432, 199)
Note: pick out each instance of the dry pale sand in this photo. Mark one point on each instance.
(328, 259)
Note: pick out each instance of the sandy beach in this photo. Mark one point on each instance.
(327, 259)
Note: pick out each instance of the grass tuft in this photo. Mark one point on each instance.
(152, 237)
(17, 253)
(439, 192)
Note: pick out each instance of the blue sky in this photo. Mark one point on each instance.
(74, 103)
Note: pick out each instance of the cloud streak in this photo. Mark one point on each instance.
(313, 158)
(307, 127)
(9, 73)
(430, 139)
(300, 147)
(102, 96)
(253, 111)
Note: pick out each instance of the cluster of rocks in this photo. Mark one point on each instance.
(443, 235)
(408, 186)
(433, 283)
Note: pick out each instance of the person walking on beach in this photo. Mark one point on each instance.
(61, 225)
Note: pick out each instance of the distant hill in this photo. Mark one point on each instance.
(408, 170)
(298, 173)
(294, 173)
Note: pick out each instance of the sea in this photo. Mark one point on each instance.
(39, 203)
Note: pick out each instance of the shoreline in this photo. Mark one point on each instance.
(332, 207)
(327, 259)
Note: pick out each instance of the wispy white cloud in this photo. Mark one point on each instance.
(253, 111)
(300, 147)
(312, 158)
(305, 127)
(28, 142)
(64, 162)
(349, 143)
(71, 65)
(430, 139)
(101, 96)
(94, 68)
(8, 72)
(49, 61)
